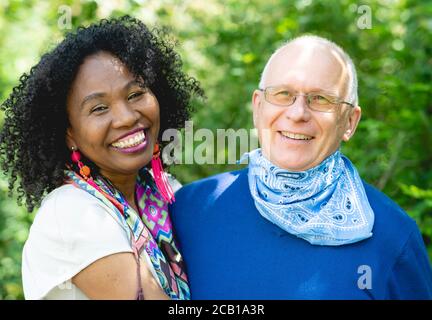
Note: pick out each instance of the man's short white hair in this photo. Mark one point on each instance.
(352, 93)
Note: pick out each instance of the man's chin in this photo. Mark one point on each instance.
(292, 162)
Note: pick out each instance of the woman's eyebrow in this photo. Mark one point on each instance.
(131, 84)
(101, 94)
(92, 96)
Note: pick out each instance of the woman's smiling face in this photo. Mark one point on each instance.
(114, 122)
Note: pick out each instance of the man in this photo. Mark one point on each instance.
(299, 223)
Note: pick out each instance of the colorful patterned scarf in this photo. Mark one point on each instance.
(324, 205)
(150, 229)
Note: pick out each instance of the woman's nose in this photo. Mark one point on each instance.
(124, 115)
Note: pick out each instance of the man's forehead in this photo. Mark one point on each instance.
(310, 63)
(307, 51)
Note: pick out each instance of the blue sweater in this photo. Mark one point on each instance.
(232, 252)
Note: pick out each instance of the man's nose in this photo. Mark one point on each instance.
(124, 115)
(299, 110)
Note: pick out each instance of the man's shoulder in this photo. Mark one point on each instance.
(388, 213)
(210, 187)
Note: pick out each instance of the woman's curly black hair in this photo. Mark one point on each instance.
(33, 150)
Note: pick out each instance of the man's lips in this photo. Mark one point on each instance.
(296, 135)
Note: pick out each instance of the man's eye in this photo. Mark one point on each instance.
(99, 108)
(320, 99)
(135, 95)
(282, 93)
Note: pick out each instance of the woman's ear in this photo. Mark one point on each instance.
(70, 142)
(352, 123)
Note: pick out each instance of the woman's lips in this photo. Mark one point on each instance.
(131, 143)
(129, 134)
(133, 149)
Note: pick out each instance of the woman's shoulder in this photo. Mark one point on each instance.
(64, 201)
(67, 194)
(68, 208)
(71, 230)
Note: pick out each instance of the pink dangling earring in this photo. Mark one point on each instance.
(76, 158)
(160, 176)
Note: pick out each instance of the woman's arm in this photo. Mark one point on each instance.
(115, 277)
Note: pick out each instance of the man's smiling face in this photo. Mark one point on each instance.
(295, 137)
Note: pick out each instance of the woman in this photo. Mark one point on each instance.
(82, 128)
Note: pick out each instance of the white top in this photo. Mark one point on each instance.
(71, 230)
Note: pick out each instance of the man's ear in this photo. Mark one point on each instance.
(256, 102)
(352, 123)
(70, 141)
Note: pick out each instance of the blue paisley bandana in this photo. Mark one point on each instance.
(324, 205)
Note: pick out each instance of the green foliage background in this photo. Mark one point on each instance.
(225, 44)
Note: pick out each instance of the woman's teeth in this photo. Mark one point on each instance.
(295, 136)
(135, 140)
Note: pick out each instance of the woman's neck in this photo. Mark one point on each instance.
(123, 183)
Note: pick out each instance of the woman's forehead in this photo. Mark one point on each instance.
(101, 72)
(102, 64)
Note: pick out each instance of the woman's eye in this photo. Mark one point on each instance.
(99, 108)
(135, 95)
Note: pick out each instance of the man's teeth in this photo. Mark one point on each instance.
(135, 140)
(295, 136)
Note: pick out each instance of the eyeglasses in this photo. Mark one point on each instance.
(321, 102)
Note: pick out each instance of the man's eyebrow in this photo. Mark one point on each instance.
(283, 85)
(310, 89)
(322, 90)
(92, 96)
